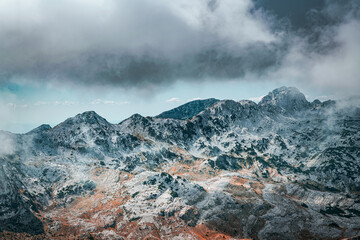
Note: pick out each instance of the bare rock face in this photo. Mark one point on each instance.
(214, 169)
(15, 210)
(286, 99)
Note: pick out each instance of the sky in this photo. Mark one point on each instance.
(61, 58)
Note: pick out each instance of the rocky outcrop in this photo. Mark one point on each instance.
(284, 168)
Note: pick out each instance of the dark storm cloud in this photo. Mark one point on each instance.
(148, 43)
(141, 71)
(132, 43)
(294, 11)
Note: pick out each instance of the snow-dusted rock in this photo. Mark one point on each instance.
(284, 168)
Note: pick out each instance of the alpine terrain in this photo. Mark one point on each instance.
(284, 168)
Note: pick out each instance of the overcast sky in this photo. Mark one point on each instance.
(59, 58)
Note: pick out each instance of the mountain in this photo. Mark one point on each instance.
(284, 168)
(188, 110)
(285, 99)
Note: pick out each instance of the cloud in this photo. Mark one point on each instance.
(342, 66)
(11, 105)
(7, 145)
(6, 113)
(131, 43)
(123, 102)
(174, 99)
(99, 101)
(336, 70)
(96, 101)
(39, 103)
(145, 44)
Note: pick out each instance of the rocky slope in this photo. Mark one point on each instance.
(188, 110)
(281, 169)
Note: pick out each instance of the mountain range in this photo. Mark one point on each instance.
(283, 168)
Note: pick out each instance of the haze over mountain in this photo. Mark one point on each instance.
(284, 168)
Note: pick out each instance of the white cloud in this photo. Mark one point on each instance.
(174, 99)
(39, 103)
(122, 103)
(7, 145)
(7, 113)
(67, 26)
(69, 103)
(11, 105)
(64, 103)
(100, 101)
(96, 101)
(337, 70)
(340, 70)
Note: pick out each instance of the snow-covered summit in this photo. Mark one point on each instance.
(287, 99)
(284, 167)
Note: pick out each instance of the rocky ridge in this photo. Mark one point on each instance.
(284, 168)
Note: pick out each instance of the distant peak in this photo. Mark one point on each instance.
(88, 114)
(288, 98)
(188, 110)
(286, 89)
(41, 128)
(89, 117)
(316, 101)
(291, 93)
(134, 117)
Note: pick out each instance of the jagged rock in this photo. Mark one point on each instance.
(286, 99)
(284, 168)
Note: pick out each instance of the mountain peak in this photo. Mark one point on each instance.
(88, 114)
(188, 110)
(41, 128)
(88, 117)
(134, 118)
(285, 89)
(285, 92)
(289, 99)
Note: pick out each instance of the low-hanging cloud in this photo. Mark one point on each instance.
(7, 146)
(143, 43)
(332, 61)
